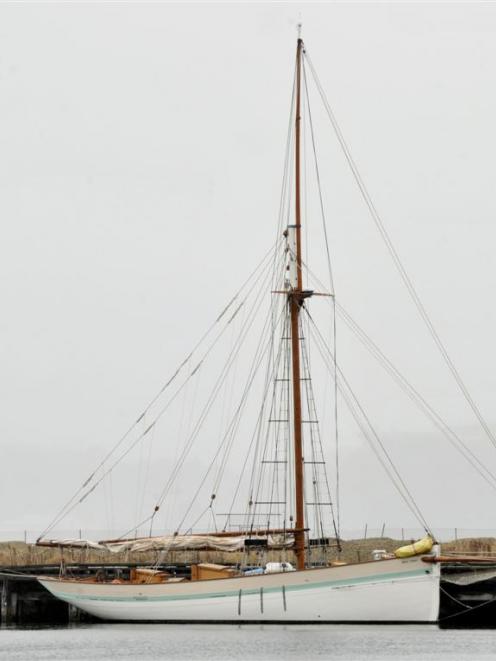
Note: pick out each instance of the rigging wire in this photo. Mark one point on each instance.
(244, 332)
(288, 156)
(260, 353)
(331, 289)
(229, 435)
(188, 406)
(454, 439)
(83, 492)
(255, 437)
(207, 407)
(73, 502)
(318, 457)
(418, 399)
(272, 367)
(146, 474)
(257, 480)
(284, 215)
(396, 259)
(369, 431)
(274, 321)
(225, 458)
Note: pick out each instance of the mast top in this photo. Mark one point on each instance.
(298, 27)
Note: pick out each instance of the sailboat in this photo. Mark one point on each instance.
(386, 589)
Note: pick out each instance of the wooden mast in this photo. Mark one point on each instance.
(295, 300)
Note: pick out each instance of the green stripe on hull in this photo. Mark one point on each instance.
(234, 593)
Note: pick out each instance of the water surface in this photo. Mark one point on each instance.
(150, 642)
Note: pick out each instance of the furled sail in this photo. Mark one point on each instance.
(175, 542)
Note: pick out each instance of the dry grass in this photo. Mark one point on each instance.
(476, 545)
(20, 554)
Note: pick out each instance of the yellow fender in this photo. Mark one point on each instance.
(423, 545)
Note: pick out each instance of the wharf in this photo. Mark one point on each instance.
(467, 599)
(24, 601)
(468, 595)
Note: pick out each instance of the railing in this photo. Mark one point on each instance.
(408, 534)
(365, 532)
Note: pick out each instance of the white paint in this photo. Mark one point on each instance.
(292, 266)
(383, 591)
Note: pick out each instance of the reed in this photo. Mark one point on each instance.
(16, 554)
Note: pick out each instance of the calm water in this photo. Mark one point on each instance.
(156, 641)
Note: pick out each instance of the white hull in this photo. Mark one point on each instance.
(383, 591)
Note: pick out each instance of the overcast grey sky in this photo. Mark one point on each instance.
(141, 152)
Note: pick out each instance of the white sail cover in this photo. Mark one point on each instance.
(173, 542)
